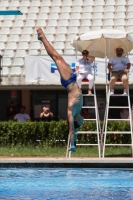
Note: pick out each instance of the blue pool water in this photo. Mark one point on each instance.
(65, 184)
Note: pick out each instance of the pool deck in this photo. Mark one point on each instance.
(87, 162)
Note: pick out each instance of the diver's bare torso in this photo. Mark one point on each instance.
(75, 98)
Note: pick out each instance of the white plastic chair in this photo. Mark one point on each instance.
(41, 22)
(89, 3)
(54, 16)
(3, 38)
(78, 3)
(59, 45)
(65, 16)
(76, 16)
(19, 23)
(43, 16)
(6, 62)
(73, 30)
(23, 45)
(32, 16)
(98, 16)
(50, 37)
(5, 72)
(45, 9)
(130, 15)
(24, 9)
(130, 8)
(86, 23)
(21, 17)
(12, 45)
(130, 28)
(109, 22)
(57, 3)
(74, 22)
(109, 9)
(96, 28)
(2, 18)
(99, 9)
(62, 30)
(67, 3)
(66, 9)
(5, 31)
(88, 9)
(60, 37)
(36, 3)
(35, 45)
(34, 10)
(69, 46)
(63, 22)
(18, 62)
(33, 52)
(30, 23)
(110, 3)
(46, 3)
(87, 16)
(52, 23)
(121, 2)
(56, 9)
(25, 3)
(77, 9)
(14, 38)
(28, 30)
(97, 22)
(4, 3)
(122, 28)
(21, 53)
(43, 52)
(71, 37)
(100, 3)
(121, 9)
(50, 30)
(16, 30)
(130, 3)
(130, 22)
(84, 29)
(120, 15)
(120, 22)
(7, 23)
(70, 52)
(15, 75)
(109, 15)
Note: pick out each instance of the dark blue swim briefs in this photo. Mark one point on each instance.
(72, 79)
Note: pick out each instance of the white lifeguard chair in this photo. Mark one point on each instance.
(105, 130)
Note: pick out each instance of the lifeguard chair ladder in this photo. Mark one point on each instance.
(98, 128)
(105, 131)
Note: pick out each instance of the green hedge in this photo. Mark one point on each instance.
(56, 133)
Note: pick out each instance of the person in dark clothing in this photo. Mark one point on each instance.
(46, 115)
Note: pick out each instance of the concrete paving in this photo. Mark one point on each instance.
(109, 162)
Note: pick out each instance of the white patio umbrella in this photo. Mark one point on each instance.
(102, 43)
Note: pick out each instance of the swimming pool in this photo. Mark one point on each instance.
(65, 183)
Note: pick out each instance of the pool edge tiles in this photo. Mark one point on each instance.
(119, 162)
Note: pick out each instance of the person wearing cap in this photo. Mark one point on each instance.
(83, 68)
(119, 67)
(68, 80)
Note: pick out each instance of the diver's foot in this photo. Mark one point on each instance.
(72, 149)
(40, 33)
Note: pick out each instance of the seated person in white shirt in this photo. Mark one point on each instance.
(83, 68)
(119, 67)
(22, 116)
